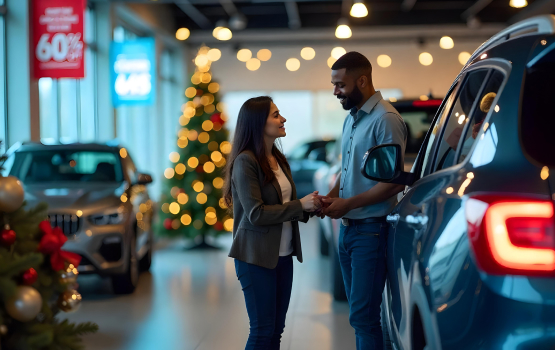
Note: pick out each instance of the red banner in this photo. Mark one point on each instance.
(58, 38)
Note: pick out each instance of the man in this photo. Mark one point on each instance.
(360, 203)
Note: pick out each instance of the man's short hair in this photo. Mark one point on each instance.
(355, 63)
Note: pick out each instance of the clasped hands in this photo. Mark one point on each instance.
(322, 206)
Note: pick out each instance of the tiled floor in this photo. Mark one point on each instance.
(192, 300)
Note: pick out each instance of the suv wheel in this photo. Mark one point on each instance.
(126, 283)
(146, 260)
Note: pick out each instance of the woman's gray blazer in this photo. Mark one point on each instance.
(259, 213)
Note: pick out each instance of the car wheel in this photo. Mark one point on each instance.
(324, 244)
(126, 283)
(146, 260)
(337, 285)
(385, 331)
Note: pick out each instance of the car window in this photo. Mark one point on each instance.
(458, 117)
(536, 123)
(66, 166)
(299, 153)
(433, 132)
(481, 110)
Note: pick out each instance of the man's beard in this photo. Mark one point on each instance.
(351, 100)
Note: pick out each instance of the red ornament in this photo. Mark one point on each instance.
(51, 244)
(200, 92)
(216, 118)
(7, 237)
(199, 169)
(219, 226)
(29, 277)
(168, 224)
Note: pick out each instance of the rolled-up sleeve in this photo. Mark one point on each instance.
(392, 129)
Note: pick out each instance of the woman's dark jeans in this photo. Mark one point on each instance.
(267, 293)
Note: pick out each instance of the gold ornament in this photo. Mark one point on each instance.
(25, 304)
(69, 301)
(11, 194)
(68, 278)
(3, 329)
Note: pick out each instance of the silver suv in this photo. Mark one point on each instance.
(99, 200)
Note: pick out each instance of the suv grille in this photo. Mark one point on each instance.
(69, 223)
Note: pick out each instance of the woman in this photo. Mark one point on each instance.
(266, 212)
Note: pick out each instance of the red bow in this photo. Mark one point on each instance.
(51, 244)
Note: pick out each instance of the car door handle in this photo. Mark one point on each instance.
(393, 219)
(416, 221)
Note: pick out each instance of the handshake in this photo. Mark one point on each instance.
(324, 206)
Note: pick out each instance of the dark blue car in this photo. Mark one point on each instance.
(471, 249)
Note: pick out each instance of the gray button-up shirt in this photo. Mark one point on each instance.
(376, 123)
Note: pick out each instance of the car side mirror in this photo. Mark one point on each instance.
(144, 179)
(384, 163)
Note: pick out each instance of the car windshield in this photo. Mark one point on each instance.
(66, 165)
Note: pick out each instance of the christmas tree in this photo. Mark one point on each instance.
(192, 203)
(37, 278)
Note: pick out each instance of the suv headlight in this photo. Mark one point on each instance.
(106, 219)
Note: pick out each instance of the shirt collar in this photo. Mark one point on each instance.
(367, 106)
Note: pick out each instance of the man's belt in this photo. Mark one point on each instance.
(354, 222)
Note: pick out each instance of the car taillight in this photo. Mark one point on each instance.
(512, 236)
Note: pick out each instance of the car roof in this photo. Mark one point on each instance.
(32, 146)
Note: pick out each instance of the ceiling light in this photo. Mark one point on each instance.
(464, 57)
(238, 21)
(214, 54)
(244, 55)
(222, 32)
(518, 3)
(331, 61)
(293, 64)
(446, 43)
(264, 55)
(338, 52)
(425, 59)
(308, 53)
(253, 64)
(359, 9)
(343, 31)
(182, 34)
(384, 61)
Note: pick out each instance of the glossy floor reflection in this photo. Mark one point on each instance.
(192, 300)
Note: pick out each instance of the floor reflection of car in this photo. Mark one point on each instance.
(304, 160)
(99, 200)
(471, 248)
(417, 115)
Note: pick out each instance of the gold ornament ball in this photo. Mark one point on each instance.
(69, 301)
(11, 194)
(68, 278)
(25, 304)
(3, 329)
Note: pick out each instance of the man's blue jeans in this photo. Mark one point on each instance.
(362, 251)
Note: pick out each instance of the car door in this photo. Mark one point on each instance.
(425, 211)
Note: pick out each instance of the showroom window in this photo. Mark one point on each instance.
(68, 106)
(3, 120)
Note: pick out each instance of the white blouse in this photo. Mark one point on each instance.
(286, 245)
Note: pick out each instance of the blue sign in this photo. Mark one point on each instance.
(133, 72)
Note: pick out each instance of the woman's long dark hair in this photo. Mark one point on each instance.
(249, 135)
